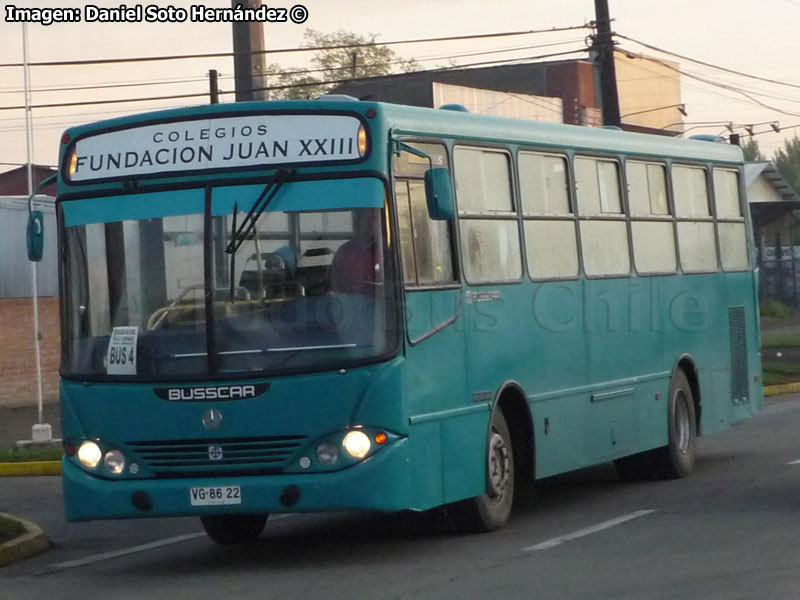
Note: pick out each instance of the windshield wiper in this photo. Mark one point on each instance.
(272, 187)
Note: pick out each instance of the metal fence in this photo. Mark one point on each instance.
(15, 268)
(779, 274)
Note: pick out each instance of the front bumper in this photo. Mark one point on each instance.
(379, 483)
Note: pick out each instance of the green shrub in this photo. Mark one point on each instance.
(775, 308)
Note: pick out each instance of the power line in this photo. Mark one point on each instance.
(294, 72)
(107, 86)
(289, 86)
(705, 64)
(65, 63)
(717, 84)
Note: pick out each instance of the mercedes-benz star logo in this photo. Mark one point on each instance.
(212, 419)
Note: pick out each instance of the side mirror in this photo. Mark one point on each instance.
(439, 194)
(35, 235)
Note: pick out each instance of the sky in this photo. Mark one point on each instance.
(756, 38)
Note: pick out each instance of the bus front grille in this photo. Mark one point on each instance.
(217, 457)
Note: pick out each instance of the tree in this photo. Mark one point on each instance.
(752, 153)
(787, 160)
(363, 58)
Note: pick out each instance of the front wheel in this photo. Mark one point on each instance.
(234, 529)
(490, 511)
(676, 459)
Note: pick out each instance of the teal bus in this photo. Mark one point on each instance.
(343, 305)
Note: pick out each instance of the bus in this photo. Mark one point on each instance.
(333, 304)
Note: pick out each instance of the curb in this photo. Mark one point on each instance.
(27, 545)
(786, 388)
(44, 467)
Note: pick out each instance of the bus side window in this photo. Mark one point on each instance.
(652, 227)
(426, 247)
(490, 244)
(550, 239)
(604, 231)
(696, 239)
(730, 222)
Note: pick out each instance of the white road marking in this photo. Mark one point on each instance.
(589, 530)
(794, 462)
(82, 562)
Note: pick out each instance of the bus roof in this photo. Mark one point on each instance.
(430, 122)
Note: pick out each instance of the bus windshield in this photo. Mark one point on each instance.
(192, 294)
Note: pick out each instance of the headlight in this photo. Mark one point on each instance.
(357, 444)
(114, 462)
(89, 454)
(327, 454)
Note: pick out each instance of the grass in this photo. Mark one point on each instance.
(779, 339)
(31, 454)
(775, 308)
(9, 529)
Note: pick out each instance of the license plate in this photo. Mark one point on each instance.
(215, 495)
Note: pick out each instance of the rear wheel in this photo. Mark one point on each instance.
(234, 529)
(490, 511)
(676, 459)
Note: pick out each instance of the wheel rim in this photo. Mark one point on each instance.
(499, 467)
(683, 432)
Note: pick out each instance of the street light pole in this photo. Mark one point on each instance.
(40, 432)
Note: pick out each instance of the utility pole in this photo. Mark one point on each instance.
(603, 48)
(249, 61)
(213, 86)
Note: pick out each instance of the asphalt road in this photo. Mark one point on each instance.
(730, 531)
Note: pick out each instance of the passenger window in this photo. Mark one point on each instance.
(730, 222)
(490, 247)
(425, 244)
(597, 184)
(691, 191)
(604, 230)
(550, 239)
(652, 230)
(697, 242)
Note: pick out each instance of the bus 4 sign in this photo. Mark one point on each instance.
(121, 354)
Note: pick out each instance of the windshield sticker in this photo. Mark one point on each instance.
(121, 355)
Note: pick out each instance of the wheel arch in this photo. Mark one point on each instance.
(687, 364)
(510, 398)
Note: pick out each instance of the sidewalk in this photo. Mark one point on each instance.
(16, 423)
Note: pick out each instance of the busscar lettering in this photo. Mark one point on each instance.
(233, 392)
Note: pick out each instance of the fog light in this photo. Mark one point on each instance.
(89, 454)
(357, 444)
(327, 454)
(114, 462)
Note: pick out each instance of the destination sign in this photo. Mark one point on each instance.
(221, 143)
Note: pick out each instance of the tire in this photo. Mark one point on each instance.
(490, 511)
(638, 467)
(676, 459)
(234, 529)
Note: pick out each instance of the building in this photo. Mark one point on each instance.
(775, 212)
(649, 91)
(15, 181)
(17, 358)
